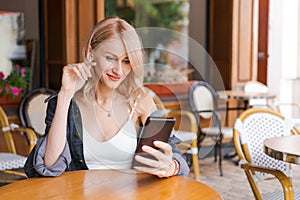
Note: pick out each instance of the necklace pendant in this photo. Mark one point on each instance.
(108, 114)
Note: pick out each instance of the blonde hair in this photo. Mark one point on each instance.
(106, 29)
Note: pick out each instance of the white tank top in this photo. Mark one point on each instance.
(116, 153)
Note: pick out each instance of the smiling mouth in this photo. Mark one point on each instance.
(113, 78)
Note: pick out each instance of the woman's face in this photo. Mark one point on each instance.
(112, 62)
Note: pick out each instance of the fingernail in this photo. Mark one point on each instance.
(145, 147)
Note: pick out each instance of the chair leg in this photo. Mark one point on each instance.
(220, 158)
(195, 159)
(216, 151)
(196, 166)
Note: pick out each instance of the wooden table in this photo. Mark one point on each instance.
(285, 148)
(108, 184)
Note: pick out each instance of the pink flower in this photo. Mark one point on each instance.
(1, 90)
(6, 87)
(2, 75)
(23, 72)
(17, 66)
(15, 91)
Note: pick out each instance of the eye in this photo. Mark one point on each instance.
(126, 61)
(110, 58)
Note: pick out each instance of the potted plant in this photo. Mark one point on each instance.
(11, 87)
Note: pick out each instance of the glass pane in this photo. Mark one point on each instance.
(166, 42)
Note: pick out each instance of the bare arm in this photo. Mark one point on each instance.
(74, 76)
(57, 133)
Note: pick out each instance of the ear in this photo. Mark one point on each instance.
(90, 54)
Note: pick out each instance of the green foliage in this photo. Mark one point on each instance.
(166, 14)
(14, 82)
(125, 12)
(148, 13)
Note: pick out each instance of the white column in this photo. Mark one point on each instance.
(284, 50)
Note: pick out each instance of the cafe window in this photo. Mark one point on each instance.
(163, 26)
(11, 25)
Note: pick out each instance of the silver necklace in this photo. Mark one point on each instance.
(107, 111)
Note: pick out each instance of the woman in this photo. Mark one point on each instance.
(93, 121)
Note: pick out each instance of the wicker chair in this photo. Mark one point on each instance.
(187, 134)
(10, 161)
(203, 101)
(257, 87)
(251, 128)
(32, 109)
(289, 110)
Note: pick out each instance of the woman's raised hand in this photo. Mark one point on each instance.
(164, 166)
(75, 75)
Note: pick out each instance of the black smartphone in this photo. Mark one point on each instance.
(155, 129)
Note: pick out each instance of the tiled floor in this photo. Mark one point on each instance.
(233, 185)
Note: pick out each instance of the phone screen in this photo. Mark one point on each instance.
(155, 129)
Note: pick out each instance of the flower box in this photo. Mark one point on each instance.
(170, 90)
(11, 101)
(8, 102)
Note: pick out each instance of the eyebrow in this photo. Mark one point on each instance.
(116, 55)
(111, 53)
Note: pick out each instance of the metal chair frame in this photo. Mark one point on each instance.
(215, 131)
(260, 169)
(8, 130)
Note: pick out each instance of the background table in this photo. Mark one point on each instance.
(245, 96)
(234, 100)
(286, 148)
(108, 184)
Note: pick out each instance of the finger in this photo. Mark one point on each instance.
(89, 64)
(70, 67)
(68, 70)
(147, 161)
(156, 153)
(157, 172)
(87, 68)
(78, 70)
(164, 146)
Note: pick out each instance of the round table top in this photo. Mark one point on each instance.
(286, 148)
(245, 95)
(108, 184)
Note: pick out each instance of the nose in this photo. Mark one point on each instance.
(118, 68)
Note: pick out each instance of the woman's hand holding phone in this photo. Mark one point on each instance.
(163, 165)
